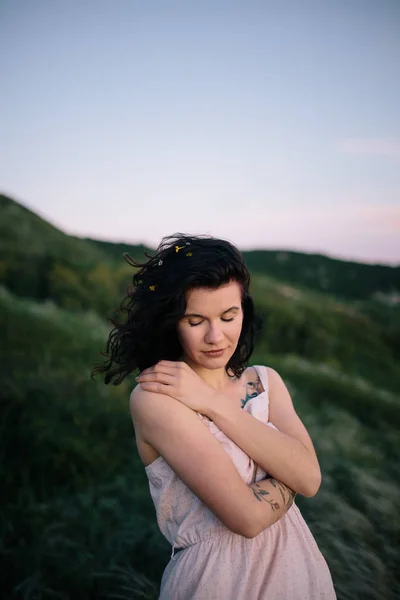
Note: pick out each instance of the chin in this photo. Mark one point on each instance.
(214, 362)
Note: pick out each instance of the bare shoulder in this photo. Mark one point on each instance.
(152, 411)
(279, 395)
(140, 400)
(136, 401)
(157, 418)
(136, 405)
(273, 375)
(276, 384)
(148, 406)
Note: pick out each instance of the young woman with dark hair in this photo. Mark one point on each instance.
(222, 445)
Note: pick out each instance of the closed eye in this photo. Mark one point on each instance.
(200, 322)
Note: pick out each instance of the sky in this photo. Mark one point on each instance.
(275, 125)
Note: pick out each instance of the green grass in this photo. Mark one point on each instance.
(77, 520)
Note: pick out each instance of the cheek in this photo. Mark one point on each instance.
(238, 328)
(187, 337)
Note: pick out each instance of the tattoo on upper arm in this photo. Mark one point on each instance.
(286, 493)
(253, 388)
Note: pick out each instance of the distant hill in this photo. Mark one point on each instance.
(39, 261)
(24, 233)
(345, 279)
(317, 307)
(116, 250)
(36, 258)
(31, 248)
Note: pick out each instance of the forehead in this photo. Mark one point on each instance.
(219, 299)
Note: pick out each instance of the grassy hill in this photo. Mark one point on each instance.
(116, 250)
(357, 338)
(39, 261)
(56, 259)
(344, 279)
(77, 520)
(347, 280)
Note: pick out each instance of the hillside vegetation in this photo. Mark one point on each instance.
(77, 519)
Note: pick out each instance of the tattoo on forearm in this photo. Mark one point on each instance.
(286, 493)
(283, 488)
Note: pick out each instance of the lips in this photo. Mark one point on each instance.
(215, 352)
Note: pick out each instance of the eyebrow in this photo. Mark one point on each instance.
(235, 308)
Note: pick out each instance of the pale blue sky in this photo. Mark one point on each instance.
(272, 124)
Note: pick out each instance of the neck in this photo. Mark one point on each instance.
(217, 378)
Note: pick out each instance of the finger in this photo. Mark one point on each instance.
(165, 367)
(158, 388)
(157, 368)
(181, 365)
(171, 364)
(163, 378)
(148, 370)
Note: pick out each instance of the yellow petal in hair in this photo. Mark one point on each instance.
(177, 248)
(189, 253)
(152, 288)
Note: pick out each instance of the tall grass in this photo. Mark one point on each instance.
(78, 522)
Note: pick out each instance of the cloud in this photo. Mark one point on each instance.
(358, 146)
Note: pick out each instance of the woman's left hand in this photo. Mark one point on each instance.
(178, 380)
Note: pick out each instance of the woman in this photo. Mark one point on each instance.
(222, 446)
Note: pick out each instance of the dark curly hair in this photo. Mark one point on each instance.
(156, 302)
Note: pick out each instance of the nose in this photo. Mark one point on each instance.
(214, 334)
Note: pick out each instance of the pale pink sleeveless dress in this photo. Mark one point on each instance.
(281, 563)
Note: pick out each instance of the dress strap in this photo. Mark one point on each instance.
(262, 372)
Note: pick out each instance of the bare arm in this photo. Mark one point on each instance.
(198, 459)
(287, 454)
(277, 496)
